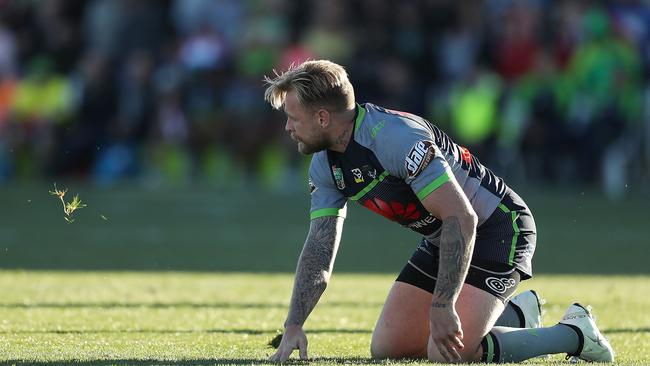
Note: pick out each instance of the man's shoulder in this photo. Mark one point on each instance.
(319, 166)
(388, 129)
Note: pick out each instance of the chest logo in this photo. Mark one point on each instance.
(338, 177)
(419, 157)
(369, 171)
(358, 176)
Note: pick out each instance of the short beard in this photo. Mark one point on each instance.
(312, 148)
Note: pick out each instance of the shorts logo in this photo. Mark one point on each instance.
(358, 176)
(418, 157)
(500, 285)
(338, 177)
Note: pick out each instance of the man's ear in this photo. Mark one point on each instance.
(323, 117)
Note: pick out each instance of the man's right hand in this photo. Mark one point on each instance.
(293, 338)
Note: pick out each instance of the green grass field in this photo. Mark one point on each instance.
(162, 318)
(160, 276)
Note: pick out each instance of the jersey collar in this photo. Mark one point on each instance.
(359, 116)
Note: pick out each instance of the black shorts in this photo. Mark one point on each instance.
(502, 255)
(497, 279)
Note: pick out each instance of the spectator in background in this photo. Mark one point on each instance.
(605, 96)
(515, 78)
(120, 27)
(627, 157)
(7, 88)
(398, 88)
(474, 106)
(169, 154)
(224, 17)
(135, 110)
(42, 103)
(531, 138)
(328, 35)
(95, 107)
(517, 46)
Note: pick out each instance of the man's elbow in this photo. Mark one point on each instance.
(468, 219)
(473, 218)
(326, 275)
(321, 278)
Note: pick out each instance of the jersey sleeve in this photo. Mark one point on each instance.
(326, 200)
(407, 150)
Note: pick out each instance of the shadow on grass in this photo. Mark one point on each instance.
(158, 305)
(180, 331)
(626, 330)
(207, 361)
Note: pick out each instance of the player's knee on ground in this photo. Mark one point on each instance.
(380, 348)
(383, 347)
(378, 351)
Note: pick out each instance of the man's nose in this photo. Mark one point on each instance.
(287, 126)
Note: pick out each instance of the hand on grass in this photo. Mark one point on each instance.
(293, 338)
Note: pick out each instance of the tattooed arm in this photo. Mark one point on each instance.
(312, 275)
(458, 233)
(456, 246)
(314, 267)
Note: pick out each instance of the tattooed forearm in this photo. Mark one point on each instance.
(456, 245)
(314, 267)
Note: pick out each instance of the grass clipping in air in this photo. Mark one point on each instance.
(68, 207)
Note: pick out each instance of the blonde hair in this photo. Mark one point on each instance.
(317, 84)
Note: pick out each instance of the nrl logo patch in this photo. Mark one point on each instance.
(419, 157)
(338, 177)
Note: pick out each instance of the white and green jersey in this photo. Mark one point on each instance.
(393, 161)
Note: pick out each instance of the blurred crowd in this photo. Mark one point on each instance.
(544, 92)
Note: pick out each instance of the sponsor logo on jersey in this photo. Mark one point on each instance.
(465, 155)
(394, 211)
(338, 177)
(500, 285)
(358, 176)
(312, 186)
(375, 130)
(422, 223)
(419, 157)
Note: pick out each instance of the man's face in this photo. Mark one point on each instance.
(302, 125)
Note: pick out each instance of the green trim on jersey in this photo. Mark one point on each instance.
(327, 212)
(515, 227)
(361, 114)
(370, 186)
(515, 216)
(444, 178)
